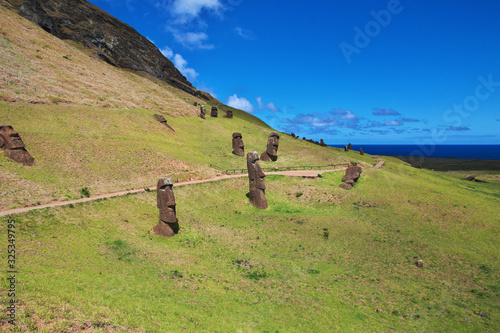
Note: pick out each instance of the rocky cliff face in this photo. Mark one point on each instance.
(111, 40)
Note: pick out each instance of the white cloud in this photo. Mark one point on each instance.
(181, 65)
(192, 8)
(167, 52)
(193, 40)
(345, 115)
(268, 106)
(240, 103)
(244, 33)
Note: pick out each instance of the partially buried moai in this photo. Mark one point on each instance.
(256, 177)
(271, 153)
(168, 225)
(202, 112)
(14, 146)
(229, 114)
(215, 112)
(238, 146)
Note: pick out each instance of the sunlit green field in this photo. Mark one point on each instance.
(320, 259)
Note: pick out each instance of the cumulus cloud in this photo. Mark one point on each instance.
(181, 64)
(167, 52)
(193, 8)
(240, 103)
(344, 115)
(268, 106)
(316, 120)
(385, 112)
(193, 40)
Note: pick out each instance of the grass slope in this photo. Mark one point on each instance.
(318, 260)
(90, 125)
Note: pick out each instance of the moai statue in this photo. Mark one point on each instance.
(271, 153)
(202, 112)
(350, 146)
(165, 201)
(256, 177)
(195, 103)
(238, 146)
(162, 120)
(322, 143)
(215, 112)
(229, 114)
(13, 146)
(361, 152)
(345, 148)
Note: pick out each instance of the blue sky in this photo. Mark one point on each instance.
(389, 71)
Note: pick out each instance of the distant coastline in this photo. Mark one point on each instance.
(483, 152)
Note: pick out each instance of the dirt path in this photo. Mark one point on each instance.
(295, 173)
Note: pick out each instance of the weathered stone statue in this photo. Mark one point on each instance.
(168, 225)
(345, 148)
(238, 146)
(202, 112)
(351, 176)
(256, 178)
(162, 120)
(361, 151)
(215, 112)
(350, 146)
(13, 146)
(229, 114)
(271, 153)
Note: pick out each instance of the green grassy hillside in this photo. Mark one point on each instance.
(319, 259)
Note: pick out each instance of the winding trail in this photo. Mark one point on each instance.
(294, 173)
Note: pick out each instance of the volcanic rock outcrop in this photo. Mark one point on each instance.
(111, 40)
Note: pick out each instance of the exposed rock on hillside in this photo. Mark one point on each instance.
(111, 40)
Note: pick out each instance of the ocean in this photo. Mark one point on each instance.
(483, 152)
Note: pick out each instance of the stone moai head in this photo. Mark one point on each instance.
(350, 146)
(14, 146)
(271, 153)
(165, 201)
(229, 114)
(256, 178)
(345, 148)
(215, 112)
(238, 146)
(202, 112)
(361, 152)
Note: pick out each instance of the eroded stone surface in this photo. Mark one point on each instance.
(203, 112)
(160, 118)
(215, 112)
(361, 152)
(165, 201)
(271, 153)
(351, 176)
(229, 114)
(238, 146)
(14, 146)
(256, 178)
